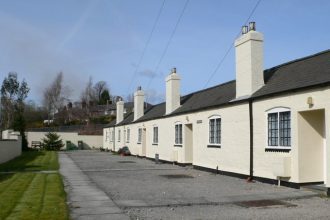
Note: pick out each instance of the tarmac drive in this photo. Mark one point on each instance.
(105, 186)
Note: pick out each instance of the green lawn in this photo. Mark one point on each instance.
(32, 195)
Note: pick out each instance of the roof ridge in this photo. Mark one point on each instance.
(298, 60)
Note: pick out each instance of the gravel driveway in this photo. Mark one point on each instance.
(145, 190)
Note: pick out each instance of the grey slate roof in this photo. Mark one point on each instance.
(298, 74)
(154, 112)
(128, 119)
(111, 124)
(208, 98)
(305, 72)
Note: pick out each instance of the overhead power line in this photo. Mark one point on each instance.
(169, 42)
(146, 45)
(231, 46)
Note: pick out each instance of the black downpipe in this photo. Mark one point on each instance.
(251, 139)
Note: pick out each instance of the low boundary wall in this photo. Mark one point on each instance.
(9, 149)
(89, 141)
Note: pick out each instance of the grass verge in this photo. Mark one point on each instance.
(32, 195)
(32, 161)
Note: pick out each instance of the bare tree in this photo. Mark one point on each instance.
(99, 88)
(55, 96)
(88, 95)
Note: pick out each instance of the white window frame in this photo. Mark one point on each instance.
(139, 136)
(278, 110)
(154, 136)
(214, 117)
(177, 134)
(128, 133)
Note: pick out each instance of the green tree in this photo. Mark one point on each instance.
(104, 98)
(13, 94)
(52, 142)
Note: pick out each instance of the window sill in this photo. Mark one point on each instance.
(138, 142)
(213, 146)
(154, 143)
(277, 149)
(177, 145)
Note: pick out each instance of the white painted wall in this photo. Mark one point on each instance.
(9, 149)
(10, 134)
(233, 156)
(327, 148)
(297, 102)
(88, 140)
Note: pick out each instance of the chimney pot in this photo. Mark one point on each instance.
(252, 26)
(174, 70)
(244, 29)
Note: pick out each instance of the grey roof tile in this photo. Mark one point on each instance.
(305, 72)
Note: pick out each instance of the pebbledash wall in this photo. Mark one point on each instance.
(89, 141)
(244, 150)
(10, 148)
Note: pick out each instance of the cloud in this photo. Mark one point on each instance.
(78, 25)
(154, 97)
(31, 52)
(148, 73)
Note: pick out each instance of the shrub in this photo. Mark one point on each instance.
(52, 141)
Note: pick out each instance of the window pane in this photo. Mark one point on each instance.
(139, 135)
(180, 134)
(211, 131)
(176, 134)
(273, 129)
(285, 128)
(218, 131)
(155, 136)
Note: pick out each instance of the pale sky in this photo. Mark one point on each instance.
(105, 39)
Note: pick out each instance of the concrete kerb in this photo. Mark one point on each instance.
(85, 199)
